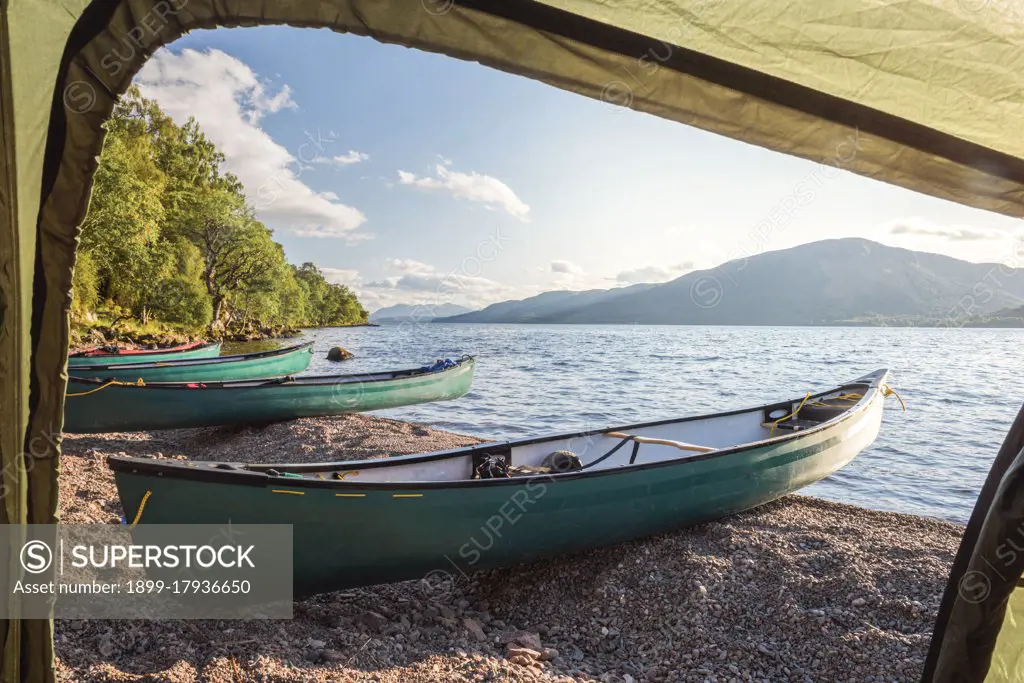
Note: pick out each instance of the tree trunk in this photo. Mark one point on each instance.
(218, 312)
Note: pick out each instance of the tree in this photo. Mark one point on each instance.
(123, 223)
(84, 286)
(170, 237)
(179, 296)
(238, 252)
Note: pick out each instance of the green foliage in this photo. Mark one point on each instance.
(328, 303)
(170, 238)
(180, 301)
(84, 286)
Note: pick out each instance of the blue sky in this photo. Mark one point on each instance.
(417, 178)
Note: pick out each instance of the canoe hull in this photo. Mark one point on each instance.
(202, 351)
(223, 368)
(370, 535)
(127, 408)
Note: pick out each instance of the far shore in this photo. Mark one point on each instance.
(171, 337)
(799, 589)
(931, 325)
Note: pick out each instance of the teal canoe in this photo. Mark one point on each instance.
(438, 515)
(263, 365)
(103, 356)
(127, 407)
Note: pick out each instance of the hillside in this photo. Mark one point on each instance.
(826, 282)
(546, 307)
(416, 312)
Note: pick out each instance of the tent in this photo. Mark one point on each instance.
(925, 94)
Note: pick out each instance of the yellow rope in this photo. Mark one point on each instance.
(840, 397)
(790, 416)
(889, 391)
(113, 382)
(142, 506)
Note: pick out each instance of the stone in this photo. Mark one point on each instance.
(475, 629)
(338, 353)
(106, 646)
(515, 651)
(373, 620)
(548, 654)
(523, 638)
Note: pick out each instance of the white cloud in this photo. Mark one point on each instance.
(429, 286)
(653, 273)
(980, 244)
(436, 288)
(228, 101)
(339, 276)
(408, 265)
(472, 186)
(347, 159)
(956, 233)
(566, 267)
(421, 284)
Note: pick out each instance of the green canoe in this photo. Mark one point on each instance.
(263, 365)
(436, 516)
(118, 408)
(101, 356)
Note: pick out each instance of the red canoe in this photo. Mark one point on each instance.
(108, 355)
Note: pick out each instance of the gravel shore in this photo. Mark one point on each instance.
(797, 590)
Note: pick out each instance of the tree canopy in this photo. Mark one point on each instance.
(171, 238)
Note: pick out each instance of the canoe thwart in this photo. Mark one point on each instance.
(662, 442)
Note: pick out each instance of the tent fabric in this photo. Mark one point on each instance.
(979, 627)
(1008, 658)
(32, 37)
(925, 94)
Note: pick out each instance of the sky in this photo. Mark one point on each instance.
(420, 179)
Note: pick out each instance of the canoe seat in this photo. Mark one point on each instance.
(792, 425)
(823, 411)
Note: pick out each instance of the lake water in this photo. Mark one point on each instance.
(961, 387)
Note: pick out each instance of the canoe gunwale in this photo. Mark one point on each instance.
(280, 383)
(256, 474)
(144, 353)
(185, 362)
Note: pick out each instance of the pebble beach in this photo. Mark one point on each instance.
(797, 590)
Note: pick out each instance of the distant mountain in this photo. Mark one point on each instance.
(829, 282)
(416, 312)
(543, 307)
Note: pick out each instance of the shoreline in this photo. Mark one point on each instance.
(91, 337)
(797, 589)
(1008, 324)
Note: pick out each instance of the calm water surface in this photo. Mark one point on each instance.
(962, 389)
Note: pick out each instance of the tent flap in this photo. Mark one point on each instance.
(924, 94)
